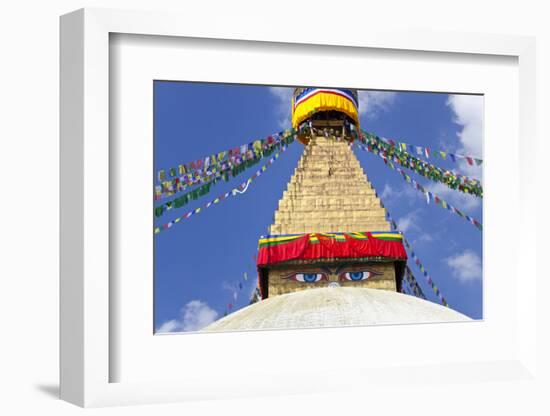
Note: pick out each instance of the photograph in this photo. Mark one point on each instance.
(271, 210)
(296, 207)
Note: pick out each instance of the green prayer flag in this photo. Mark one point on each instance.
(161, 175)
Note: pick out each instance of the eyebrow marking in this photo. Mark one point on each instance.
(335, 270)
(340, 268)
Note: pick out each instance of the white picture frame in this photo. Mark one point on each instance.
(86, 291)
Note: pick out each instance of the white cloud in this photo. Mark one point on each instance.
(372, 103)
(169, 326)
(197, 315)
(465, 266)
(283, 107)
(468, 113)
(410, 194)
(408, 222)
(403, 194)
(194, 316)
(388, 192)
(425, 238)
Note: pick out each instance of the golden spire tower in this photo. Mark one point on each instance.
(329, 198)
(329, 192)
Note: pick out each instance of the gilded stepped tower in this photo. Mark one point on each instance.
(329, 192)
(330, 229)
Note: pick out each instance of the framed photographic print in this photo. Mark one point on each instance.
(319, 210)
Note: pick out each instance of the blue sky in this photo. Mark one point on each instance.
(199, 262)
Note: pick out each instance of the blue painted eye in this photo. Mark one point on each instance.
(307, 277)
(356, 276)
(311, 277)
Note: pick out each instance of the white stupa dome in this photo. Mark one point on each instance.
(335, 307)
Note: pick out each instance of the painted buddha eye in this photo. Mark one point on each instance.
(307, 277)
(356, 276)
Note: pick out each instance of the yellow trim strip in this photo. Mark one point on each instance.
(278, 239)
(398, 236)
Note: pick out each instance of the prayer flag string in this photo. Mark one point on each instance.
(413, 284)
(430, 196)
(453, 180)
(192, 172)
(236, 288)
(423, 270)
(429, 152)
(416, 260)
(231, 168)
(234, 192)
